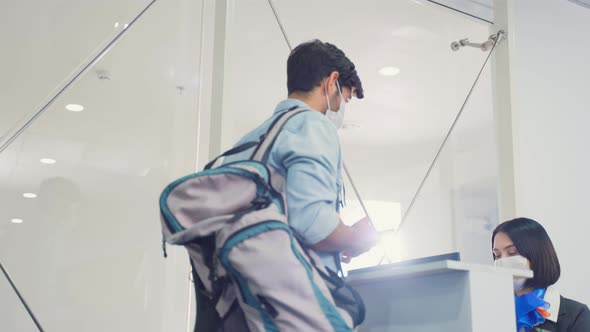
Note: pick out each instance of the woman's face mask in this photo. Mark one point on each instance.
(514, 262)
(336, 117)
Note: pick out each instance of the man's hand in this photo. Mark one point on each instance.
(365, 235)
(349, 240)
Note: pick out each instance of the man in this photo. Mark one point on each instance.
(307, 151)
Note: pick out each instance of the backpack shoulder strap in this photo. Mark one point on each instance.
(237, 149)
(262, 151)
(266, 140)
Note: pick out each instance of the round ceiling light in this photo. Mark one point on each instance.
(389, 71)
(74, 107)
(16, 221)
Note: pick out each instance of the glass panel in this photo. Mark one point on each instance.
(456, 209)
(44, 42)
(415, 85)
(85, 243)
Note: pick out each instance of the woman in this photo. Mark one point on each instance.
(523, 243)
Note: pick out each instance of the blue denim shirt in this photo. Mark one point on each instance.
(307, 153)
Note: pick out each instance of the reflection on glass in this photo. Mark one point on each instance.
(45, 44)
(87, 249)
(414, 83)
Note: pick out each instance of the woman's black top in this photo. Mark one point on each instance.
(573, 317)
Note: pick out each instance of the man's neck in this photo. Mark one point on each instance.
(309, 100)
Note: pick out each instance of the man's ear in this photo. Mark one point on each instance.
(332, 78)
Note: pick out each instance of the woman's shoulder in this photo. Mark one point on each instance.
(575, 313)
(572, 306)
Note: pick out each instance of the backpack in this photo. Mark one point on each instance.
(250, 270)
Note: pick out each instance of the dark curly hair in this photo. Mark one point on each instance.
(310, 62)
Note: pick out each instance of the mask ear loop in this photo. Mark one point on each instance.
(340, 91)
(327, 96)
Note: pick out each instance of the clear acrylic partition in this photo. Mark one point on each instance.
(456, 208)
(79, 219)
(415, 85)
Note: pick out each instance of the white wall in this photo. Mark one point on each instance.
(547, 121)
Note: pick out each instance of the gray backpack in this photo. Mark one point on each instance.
(251, 272)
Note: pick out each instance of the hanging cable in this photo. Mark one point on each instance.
(21, 298)
(274, 11)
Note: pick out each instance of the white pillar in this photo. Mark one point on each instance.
(543, 117)
(212, 77)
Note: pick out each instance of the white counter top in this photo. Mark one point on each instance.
(397, 271)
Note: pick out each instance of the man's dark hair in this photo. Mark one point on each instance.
(532, 242)
(312, 61)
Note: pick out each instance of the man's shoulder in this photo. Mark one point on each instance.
(307, 134)
(296, 123)
(309, 120)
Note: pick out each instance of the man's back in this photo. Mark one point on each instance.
(307, 154)
(307, 150)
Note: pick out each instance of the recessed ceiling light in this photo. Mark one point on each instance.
(125, 26)
(116, 25)
(74, 107)
(389, 71)
(16, 221)
(29, 195)
(47, 161)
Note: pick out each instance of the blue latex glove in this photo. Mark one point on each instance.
(527, 315)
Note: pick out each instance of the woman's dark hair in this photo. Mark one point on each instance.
(310, 62)
(532, 242)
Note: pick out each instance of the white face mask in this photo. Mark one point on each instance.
(336, 117)
(514, 262)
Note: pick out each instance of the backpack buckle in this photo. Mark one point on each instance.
(261, 203)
